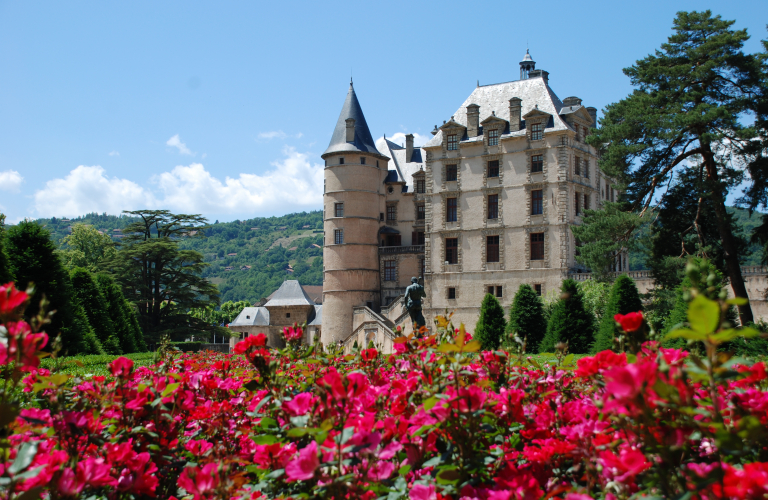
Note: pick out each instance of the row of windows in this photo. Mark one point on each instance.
(390, 269)
(495, 290)
(537, 134)
(492, 253)
(338, 211)
(451, 171)
(362, 161)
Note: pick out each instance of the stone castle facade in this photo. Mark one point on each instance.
(483, 207)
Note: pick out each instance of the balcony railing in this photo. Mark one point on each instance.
(404, 249)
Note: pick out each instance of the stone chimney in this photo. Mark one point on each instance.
(536, 73)
(408, 148)
(571, 101)
(515, 110)
(593, 113)
(350, 129)
(473, 120)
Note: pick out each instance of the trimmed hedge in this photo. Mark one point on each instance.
(188, 346)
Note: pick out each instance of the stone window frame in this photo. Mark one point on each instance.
(423, 182)
(529, 162)
(486, 160)
(338, 236)
(533, 124)
(444, 236)
(448, 293)
(452, 145)
(395, 272)
(417, 205)
(393, 206)
(536, 229)
(451, 194)
(496, 286)
(484, 247)
(336, 206)
(445, 172)
(535, 186)
(541, 287)
(500, 219)
(541, 201)
(489, 135)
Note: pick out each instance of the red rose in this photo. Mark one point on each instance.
(630, 322)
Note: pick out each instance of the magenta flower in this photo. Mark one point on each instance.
(303, 467)
(121, 367)
(300, 404)
(198, 481)
(422, 492)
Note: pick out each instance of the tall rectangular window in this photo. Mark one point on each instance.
(586, 202)
(341, 161)
(338, 236)
(451, 210)
(537, 246)
(362, 160)
(492, 249)
(451, 293)
(499, 291)
(537, 289)
(452, 250)
(537, 163)
(493, 168)
(537, 202)
(493, 137)
(585, 168)
(577, 166)
(391, 213)
(389, 270)
(577, 204)
(451, 172)
(420, 186)
(453, 142)
(418, 238)
(493, 206)
(421, 212)
(339, 209)
(537, 131)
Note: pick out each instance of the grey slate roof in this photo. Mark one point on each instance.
(290, 293)
(252, 316)
(532, 91)
(404, 170)
(363, 141)
(318, 316)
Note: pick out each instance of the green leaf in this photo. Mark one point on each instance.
(568, 359)
(686, 334)
(404, 470)
(448, 475)
(433, 461)
(297, 432)
(472, 346)
(430, 403)
(264, 439)
(24, 457)
(170, 389)
(448, 348)
(261, 403)
(703, 314)
(737, 301)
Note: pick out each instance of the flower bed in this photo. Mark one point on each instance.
(433, 421)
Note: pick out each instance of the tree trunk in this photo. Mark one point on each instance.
(732, 266)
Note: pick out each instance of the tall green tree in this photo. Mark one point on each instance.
(686, 112)
(96, 308)
(87, 247)
(162, 280)
(526, 317)
(569, 322)
(5, 266)
(33, 260)
(122, 315)
(491, 324)
(624, 299)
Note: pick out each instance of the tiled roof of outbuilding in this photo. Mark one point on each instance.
(290, 293)
(252, 316)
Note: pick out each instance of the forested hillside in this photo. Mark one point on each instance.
(248, 259)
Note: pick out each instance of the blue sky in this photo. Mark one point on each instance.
(223, 108)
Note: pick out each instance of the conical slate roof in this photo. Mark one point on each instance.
(363, 141)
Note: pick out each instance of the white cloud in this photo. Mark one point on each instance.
(278, 134)
(399, 139)
(293, 184)
(116, 153)
(10, 180)
(87, 189)
(175, 142)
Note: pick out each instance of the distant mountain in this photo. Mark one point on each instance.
(248, 259)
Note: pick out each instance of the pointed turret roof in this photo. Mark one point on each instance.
(363, 141)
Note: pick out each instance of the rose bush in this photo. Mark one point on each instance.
(433, 421)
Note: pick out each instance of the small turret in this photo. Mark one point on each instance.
(526, 66)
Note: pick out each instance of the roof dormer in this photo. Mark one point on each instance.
(453, 133)
(493, 127)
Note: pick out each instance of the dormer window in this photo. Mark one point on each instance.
(493, 137)
(420, 186)
(453, 142)
(537, 132)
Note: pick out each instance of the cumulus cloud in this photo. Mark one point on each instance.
(10, 180)
(116, 153)
(175, 142)
(292, 184)
(399, 139)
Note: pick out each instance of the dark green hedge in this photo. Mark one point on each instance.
(188, 346)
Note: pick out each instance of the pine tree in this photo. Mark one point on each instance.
(131, 339)
(33, 260)
(490, 326)
(95, 306)
(624, 299)
(526, 318)
(569, 322)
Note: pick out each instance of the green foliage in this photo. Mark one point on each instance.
(526, 317)
(595, 294)
(86, 247)
(90, 365)
(569, 322)
(491, 324)
(188, 346)
(5, 267)
(95, 305)
(33, 260)
(624, 299)
(122, 315)
(603, 234)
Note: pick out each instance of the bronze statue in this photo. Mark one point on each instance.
(413, 296)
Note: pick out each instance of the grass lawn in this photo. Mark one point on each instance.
(93, 364)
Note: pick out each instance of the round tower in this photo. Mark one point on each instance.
(353, 200)
(526, 65)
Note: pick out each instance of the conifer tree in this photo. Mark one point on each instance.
(131, 339)
(33, 260)
(569, 322)
(624, 299)
(5, 267)
(95, 306)
(526, 318)
(490, 325)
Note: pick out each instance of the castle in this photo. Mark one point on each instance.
(483, 207)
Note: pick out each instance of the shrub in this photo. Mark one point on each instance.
(188, 346)
(123, 317)
(569, 322)
(526, 318)
(624, 299)
(490, 325)
(95, 306)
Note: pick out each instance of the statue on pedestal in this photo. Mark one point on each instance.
(413, 295)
